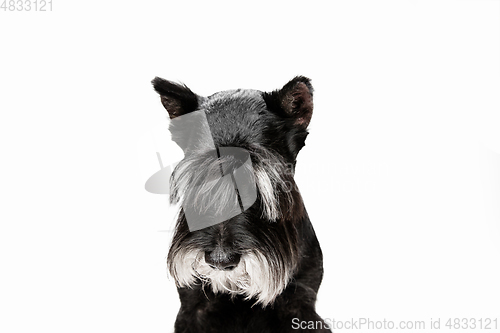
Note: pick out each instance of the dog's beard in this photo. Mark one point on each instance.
(254, 277)
(259, 276)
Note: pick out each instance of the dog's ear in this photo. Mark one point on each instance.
(294, 100)
(176, 98)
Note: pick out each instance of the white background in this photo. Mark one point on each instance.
(400, 175)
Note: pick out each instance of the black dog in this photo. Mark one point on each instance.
(244, 255)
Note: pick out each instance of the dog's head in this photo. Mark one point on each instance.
(238, 229)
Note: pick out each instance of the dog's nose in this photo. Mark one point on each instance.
(219, 259)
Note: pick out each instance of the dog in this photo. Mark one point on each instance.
(244, 254)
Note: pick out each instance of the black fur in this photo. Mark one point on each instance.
(272, 127)
(177, 99)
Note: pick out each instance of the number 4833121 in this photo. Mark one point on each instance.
(26, 5)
